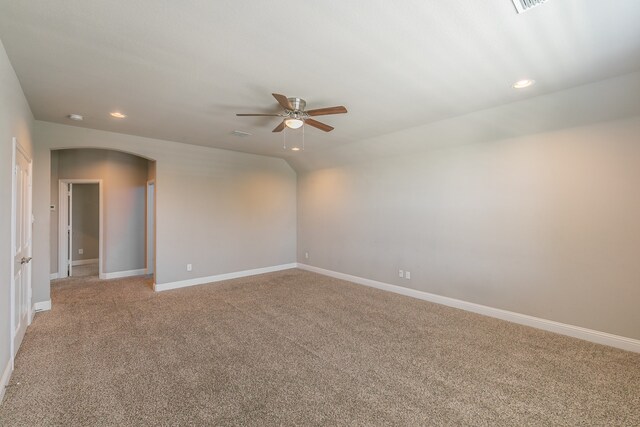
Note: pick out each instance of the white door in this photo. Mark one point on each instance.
(21, 290)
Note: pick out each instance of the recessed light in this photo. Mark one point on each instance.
(521, 84)
(76, 117)
(295, 149)
(118, 115)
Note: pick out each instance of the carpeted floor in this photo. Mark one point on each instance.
(85, 270)
(296, 348)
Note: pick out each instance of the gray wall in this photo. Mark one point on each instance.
(15, 120)
(546, 225)
(219, 210)
(530, 206)
(53, 214)
(124, 178)
(85, 221)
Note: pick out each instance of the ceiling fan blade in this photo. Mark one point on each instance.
(282, 100)
(257, 115)
(279, 128)
(326, 111)
(317, 124)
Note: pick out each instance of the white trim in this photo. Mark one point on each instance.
(42, 306)
(150, 234)
(15, 148)
(120, 274)
(84, 261)
(6, 376)
(598, 337)
(53, 276)
(64, 212)
(159, 287)
(12, 292)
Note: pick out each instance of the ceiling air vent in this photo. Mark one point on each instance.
(240, 133)
(524, 5)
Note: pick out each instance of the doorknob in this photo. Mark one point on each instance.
(25, 260)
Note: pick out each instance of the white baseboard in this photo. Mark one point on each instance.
(591, 335)
(84, 261)
(158, 287)
(6, 376)
(42, 306)
(53, 276)
(120, 274)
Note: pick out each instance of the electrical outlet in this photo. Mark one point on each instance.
(407, 275)
(81, 251)
(189, 267)
(306, 255)
(400, 273)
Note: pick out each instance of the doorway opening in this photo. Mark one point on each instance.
(126, 214)
(80, 228)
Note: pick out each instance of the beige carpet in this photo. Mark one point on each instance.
(296, 348)
(85, 270)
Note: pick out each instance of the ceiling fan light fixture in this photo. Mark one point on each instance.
(293, 123)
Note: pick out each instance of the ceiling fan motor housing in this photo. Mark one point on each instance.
(298, 104)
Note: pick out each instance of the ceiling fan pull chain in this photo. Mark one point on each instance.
(284, 139)
(303, 138)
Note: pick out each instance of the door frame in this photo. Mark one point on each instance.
(64, 212)
(150, 231)
(16, 147)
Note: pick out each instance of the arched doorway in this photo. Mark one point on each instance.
(123, 223)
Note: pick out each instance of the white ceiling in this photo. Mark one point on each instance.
(181, 70)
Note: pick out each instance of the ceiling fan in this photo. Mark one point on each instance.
(294, 115)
